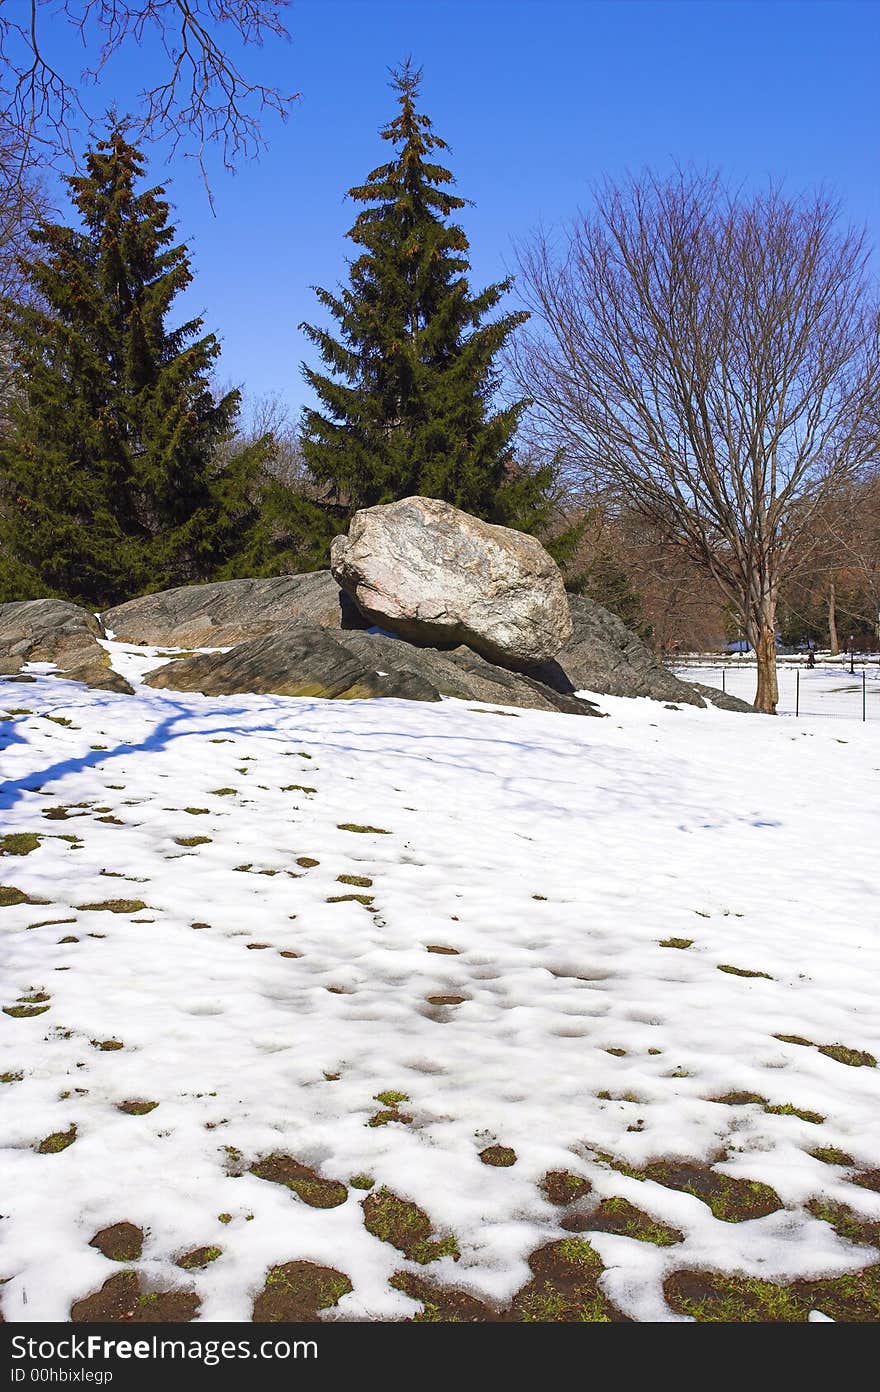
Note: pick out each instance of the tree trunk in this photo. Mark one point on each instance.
(762, 636)
(832, 621)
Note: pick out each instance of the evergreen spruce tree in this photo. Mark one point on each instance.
(116, 472)
(408, 400)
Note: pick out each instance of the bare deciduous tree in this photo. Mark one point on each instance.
(194, 88)
(713, 359)
(22, 203)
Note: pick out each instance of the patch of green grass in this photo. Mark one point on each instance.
(58, 1141)
(499, 1156)
(19, 710)
(197, 811)
(222, 1217)
(709, 1296)
(61, 720)
(562, 1187)
(363, 830)
(199, 1257)
(298, 1291)
(223, 792)
(362, 1181)
(116, 906)
(107, 1046)
(730, 1200)
(24, 1012)
(10, 896)
(565, 1288)
(848, 1224)
(390, 1098)
(681, 943)
(303, 1181)
(788, 1109)
(19, 843)
(192, 840)
(618, 1215)
(405, 1226)
(426, 1252)
(745, 1099)
(741, 1099)
(359, 881)
(137, 1108)
(854, 1058)
(307, 862)
(578, 1252)
(743, 971)
(618, 1053)
(11, 1077)
(298, 788)
(730, 1299)
(388, 1114)
(830, 1155)
(365, 899)
(840, 1053)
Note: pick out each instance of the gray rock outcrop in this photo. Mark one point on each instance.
(439, 577)
(53, 630)
(605, 657)
(305, 660)
(227, 612)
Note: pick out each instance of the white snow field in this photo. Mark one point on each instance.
(828, 689)
(185, 868)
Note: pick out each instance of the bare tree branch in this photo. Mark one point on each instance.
(201, 98)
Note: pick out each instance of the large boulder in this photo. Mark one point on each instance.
(305, 660)
(53, 630)
(439, 577)
(227, 612)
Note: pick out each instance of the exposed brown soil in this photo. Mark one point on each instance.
(122, 1299)
(565, 1288)
(405, 1226)
(562, 1187)
(298, 1291)
(198, 1258)
(304, 1181)
(620, 1216)
(442, 1304)
(120, 1242)
(730, 1200)
(709, 1296)
(498, 1155)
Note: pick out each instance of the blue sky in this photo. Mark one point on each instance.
(538, 100)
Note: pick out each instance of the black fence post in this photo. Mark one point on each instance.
(724, 679)
(797, 691)
(864, 693)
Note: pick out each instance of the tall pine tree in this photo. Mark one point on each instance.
(116, 474)
(408, 400)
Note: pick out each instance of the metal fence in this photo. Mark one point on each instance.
(842, 690)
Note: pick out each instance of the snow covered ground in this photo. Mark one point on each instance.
(631, 912)
(824, 690)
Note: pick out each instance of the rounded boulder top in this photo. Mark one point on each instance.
(440, 577)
